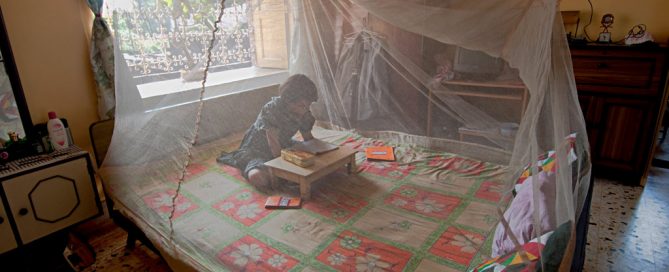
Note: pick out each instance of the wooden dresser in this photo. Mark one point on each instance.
(621, 90)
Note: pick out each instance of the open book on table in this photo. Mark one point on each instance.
(314, 146)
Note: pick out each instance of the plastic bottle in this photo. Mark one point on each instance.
(57, 133)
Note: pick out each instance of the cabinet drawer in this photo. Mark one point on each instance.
(7, 241)
(612, 71)
(51, 199)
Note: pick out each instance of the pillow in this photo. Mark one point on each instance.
(552, 248)
(520, 214)
(547, 161)
(556, 245)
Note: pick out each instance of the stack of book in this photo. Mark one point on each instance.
(299, 158)
(282, 202)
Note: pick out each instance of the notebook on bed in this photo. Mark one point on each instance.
(380, 153)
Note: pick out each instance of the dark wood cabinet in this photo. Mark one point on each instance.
(627, 125)
(621, 91)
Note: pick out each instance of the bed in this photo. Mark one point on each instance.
(428, 211)
(376, 66)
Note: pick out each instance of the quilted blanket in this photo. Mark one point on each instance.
(426, 211)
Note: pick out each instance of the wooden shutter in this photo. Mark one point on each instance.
(269, 23)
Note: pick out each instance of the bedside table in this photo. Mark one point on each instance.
(44, 194)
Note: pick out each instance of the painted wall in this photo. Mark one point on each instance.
(50, 44)
(652, 13)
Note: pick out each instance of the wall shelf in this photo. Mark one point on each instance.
(493, 84)
(493, 93)
(513, 90)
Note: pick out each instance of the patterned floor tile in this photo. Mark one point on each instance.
(628, 225)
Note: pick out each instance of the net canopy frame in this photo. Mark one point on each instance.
(487, 80)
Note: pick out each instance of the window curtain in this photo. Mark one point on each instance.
(102, 60)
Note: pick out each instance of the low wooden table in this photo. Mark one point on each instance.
(324, 164)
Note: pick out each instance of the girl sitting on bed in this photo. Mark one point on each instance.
(277, 123)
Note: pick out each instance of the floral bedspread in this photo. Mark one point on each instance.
(427, 211)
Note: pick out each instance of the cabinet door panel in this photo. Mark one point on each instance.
(51, 199)
(625, 124)
(590, 106)
(7, 240)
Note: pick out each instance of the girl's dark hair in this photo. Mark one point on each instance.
(298, 86)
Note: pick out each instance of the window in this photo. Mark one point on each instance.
(269, 22)
(164, 43)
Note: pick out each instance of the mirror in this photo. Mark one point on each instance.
(15, 123)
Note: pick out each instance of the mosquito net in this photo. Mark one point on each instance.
(476, 97)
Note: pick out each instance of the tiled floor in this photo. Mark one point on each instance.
(629, 226)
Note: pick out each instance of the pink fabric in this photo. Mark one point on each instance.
(520, 214)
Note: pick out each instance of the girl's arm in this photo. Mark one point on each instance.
(273, 140)
(307, 135)
(308, 122)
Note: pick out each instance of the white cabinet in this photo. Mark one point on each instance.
(46, 194)
(7, 241)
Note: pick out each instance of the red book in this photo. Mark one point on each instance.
(282, 202)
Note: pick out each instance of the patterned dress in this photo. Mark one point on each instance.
(254, 150)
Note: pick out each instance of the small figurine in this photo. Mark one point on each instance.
(13, 136)
(607, 21)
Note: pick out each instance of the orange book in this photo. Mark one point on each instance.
(381, 153)
(282, 202)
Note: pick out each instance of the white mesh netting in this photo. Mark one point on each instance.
(470, 93)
